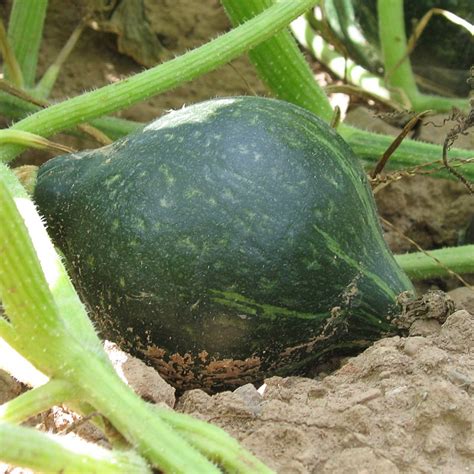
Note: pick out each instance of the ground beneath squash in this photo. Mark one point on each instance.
(405, 404)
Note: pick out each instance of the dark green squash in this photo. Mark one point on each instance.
(227, 241)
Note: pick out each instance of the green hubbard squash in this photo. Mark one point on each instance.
(225, 242)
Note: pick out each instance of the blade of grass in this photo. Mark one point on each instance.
(46, 83)
(9, 59)
(25, 31)
(33, 141)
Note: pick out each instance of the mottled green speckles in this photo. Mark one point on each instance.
(90, 261)
(122, 282)
(140, 224)
(167, 174)
(188, 244)
(164, 202)
(243, 149)
(228, 195)
(251, 215)
(313, 265)
(115, 224)
(112, 179)
(193, 193)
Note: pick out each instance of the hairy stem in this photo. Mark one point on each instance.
(29, 448)
(36, 400)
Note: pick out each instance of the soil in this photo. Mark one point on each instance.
(403, 405)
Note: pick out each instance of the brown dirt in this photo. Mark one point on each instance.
(405, 404)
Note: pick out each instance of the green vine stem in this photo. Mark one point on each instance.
(370, 146)
(17, 108)
(25, 31)
(160, 78)
(438, 263)
(36, 400)
(349, 70)
(29, 448)
(398, 72)
(393, 43)
(295, 83)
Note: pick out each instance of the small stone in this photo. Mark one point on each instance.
(460, 379)
(367, 396)
(251, 396)
(424, 327)
(457, 333)
(414, 344)
(463, 298)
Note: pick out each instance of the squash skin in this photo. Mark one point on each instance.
(227, 241)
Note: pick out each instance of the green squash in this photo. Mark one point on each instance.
(225, 242)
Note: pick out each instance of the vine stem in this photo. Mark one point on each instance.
(438, 263)
(399, 75)
(36, 400)
(160, 78)
(27, 447)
